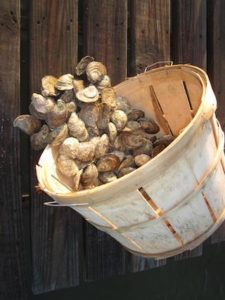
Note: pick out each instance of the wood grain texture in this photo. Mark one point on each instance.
(216, 55)
(105, 38)
(189, 32)
(216, 70)
(105, 35)
(13, 263)
(188, 45)
(149, 33)
(149, 42)
(56, 233)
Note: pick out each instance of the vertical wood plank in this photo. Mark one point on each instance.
(188, 45)
(105, 38)
(189, 32)
(216, 71)
(13, 262)
(56, 233)
(149, 42)
(105, 35)
(149, 33)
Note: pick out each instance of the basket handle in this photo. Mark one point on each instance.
(162, 62)
(56, 204)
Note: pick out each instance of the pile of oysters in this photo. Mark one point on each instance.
(98, 136)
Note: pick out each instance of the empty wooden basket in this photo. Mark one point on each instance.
(176, 200)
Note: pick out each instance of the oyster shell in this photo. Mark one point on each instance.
(144, 149)
(112, 132)
(104, 83)
(89, 113)
(108, 162)
(39, 140)
(58, 115)
(141, 159)
(67, 96)
(78, 85)
(120, 154)
(157, 149)
(102, 146)
(88, 95)
(135, 114)
(95, 71)
(129, 141)
(132, 125)
(82, 65)
(27, 123)
(48, 83)
(40, 106)
(127, 162)
(126, 171)
(71, 107)
(149, 125)
(69, 147)
(104, 116)
(66, 166)
(109, 97)
(123, 104)
(164, 140)
(89, 175)
(77, 127)
(119, 118)
(106, 177)
(58, 135)
(77, 179)
(65, 82)
(86, 151)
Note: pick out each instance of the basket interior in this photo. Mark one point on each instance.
(171, 96)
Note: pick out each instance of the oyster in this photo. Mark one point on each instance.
(65, 82)
(106, 177)
(109, 97)
(135, 114)
(102, 146)
(108, 162)
(95, 71)
(119, 118)
(40, 106)
(104, 83)
(48, 83)
(27, 123)
(58, 115)
(88, 95)
(66, 166)
(89, 175)
(77, 128)
(149, 125)
(78, 85)
(141, 159)
(123, 104)
(39, 140)
(82, 65)
(58, 135)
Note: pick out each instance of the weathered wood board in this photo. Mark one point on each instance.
(56, 234)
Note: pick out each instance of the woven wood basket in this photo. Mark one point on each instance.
(176, 200)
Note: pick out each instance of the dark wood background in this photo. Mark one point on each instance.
(43, 248)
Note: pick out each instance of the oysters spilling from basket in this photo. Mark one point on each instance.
(98, 136)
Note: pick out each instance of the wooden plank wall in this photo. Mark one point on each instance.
(56, 233)
(13, 260)
(127, 36)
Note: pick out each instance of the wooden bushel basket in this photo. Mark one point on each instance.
(177, 199)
